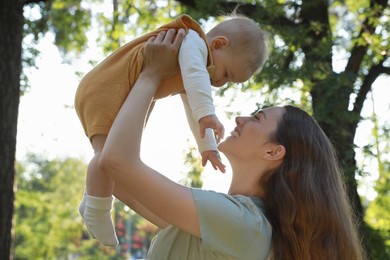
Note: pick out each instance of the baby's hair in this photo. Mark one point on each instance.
(245, 37)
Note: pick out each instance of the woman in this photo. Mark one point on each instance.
(285, 175)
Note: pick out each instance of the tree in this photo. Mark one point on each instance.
(11, 24)
(307, 37)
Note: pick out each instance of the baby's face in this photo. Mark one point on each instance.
(229, 68)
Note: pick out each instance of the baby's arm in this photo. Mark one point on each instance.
(193, 61)
(207, 145)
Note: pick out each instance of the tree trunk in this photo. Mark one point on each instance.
(11, 25)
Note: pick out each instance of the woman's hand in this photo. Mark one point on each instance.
(160, 54)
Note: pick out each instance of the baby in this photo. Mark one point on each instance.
(232, 51)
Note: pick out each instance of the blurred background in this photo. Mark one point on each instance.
(330, 58)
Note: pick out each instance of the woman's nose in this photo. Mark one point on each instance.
(240, 120)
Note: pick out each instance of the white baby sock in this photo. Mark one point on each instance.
(97, 217)
(82, 209)
(82, 204)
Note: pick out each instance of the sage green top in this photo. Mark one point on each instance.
(232, 227)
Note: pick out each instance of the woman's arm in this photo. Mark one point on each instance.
(127, 198)
(171, 202)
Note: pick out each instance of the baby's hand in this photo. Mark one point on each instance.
(211, 121)
(215, 160)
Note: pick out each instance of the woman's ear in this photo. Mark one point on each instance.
(276, 153)
(219, 42)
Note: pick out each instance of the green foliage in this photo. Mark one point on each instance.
(378, 211)
(47, 222)
(378, 218)
(132, 18)
(70, 22)
(35, 26)
(194, 169)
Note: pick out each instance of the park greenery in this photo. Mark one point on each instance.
(309, 40)
(48, 225)
(47, 198)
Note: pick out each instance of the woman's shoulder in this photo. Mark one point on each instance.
(233, 224)
(253, 205)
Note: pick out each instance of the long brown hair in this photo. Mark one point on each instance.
(305, 197)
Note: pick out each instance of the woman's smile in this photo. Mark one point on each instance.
(235, 133)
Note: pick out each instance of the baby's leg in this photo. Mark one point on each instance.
(97, 201)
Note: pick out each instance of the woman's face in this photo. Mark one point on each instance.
(251, 135)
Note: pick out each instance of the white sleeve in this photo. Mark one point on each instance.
(196, 79)
(207, 143)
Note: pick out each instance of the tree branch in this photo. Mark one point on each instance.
(358, 52)
(254, 11)
(369, 79)
(386, 70)
(26, 2)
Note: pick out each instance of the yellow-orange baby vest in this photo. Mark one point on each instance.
(103, 90)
